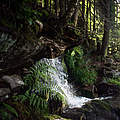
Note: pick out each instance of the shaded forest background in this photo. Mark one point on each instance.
(94, 22)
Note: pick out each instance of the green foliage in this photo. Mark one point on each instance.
(114, 80)
(114, 48)
(41, 88)
(53, 117)
(27, 15)
(6, 110)
(81, 72)
(19, 14)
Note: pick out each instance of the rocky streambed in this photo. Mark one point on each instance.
(96, 110)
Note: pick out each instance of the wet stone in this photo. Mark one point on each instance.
(14, 81)
(4, 91)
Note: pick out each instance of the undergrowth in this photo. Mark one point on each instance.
(41, 88)
(114, 80)
(81, 72)
(7, 112)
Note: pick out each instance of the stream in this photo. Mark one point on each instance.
(59, 76)
(81, 108)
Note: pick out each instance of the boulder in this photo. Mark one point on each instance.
(14, 81)
(10, 85)
(95, 110)
(4, 91)
(107, 89)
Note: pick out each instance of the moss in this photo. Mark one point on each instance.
(115, 81)
(104, 105)
(53, 117)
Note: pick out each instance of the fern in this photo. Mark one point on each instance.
(78, 67)
(40, 87)
(11, 109)
(6, 110)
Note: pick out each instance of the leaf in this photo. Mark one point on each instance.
(72, 53)
(35, 101)
(38, 104)
(11, 109)
(32, 98)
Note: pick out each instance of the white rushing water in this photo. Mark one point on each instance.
(60, 77)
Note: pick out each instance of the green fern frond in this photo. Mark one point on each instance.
(10, 109)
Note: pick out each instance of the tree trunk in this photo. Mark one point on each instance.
(90, 14)
(56, 7)
(83, 8)
(68, 14)
(50, 5)
(105, 40)
(62, 7)
(94, 18)
(87, 18)
(75, 16)
(46, 4)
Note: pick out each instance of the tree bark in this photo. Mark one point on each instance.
(90, 14)
(46, 4)
(68, 14)
(105, 40)
(94, 18)
(87, 18)
(62, 7)
(56, 7)
(76, 17)
(83, 8)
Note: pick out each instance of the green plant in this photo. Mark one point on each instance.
(6, 110)
(114, 80)
(79, 69)
(41, 87)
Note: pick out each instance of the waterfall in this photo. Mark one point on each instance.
(59, 76)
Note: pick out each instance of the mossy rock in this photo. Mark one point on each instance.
(101, 104)
(54, 117)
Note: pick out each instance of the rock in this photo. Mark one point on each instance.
(113, 73)
(53, 117)
(107, 89)
(117, 74)
(109, 74)
(74, 114)
(10, 85)
(109, 62)
(89, 91)
(14, 81)
(95, 110)
(4, 94)
(4, 91)
(101, 110)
